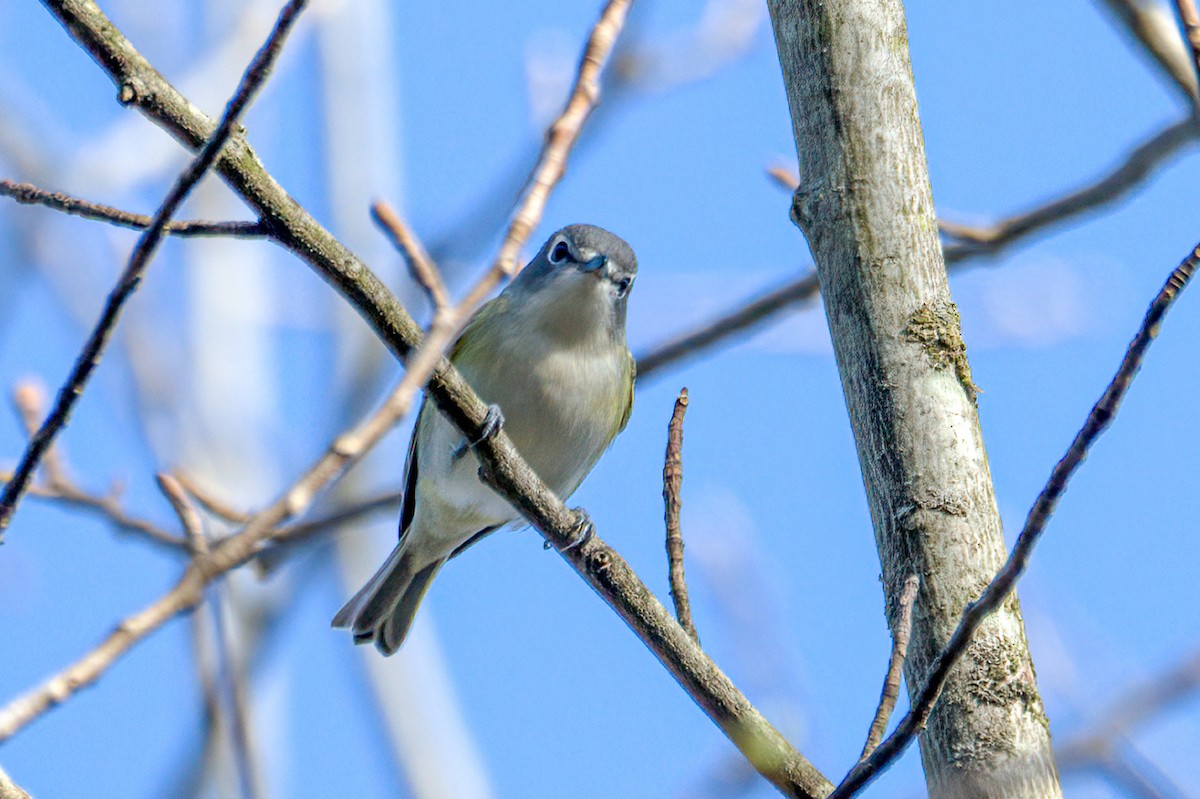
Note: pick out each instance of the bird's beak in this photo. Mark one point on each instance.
(595, 266)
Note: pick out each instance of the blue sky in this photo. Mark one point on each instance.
(1019, 101)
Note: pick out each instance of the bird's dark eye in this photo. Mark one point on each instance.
(560, 253)
(623, 286)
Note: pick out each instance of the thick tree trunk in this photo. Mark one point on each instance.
(865, 205)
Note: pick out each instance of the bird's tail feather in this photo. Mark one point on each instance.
(382, 611)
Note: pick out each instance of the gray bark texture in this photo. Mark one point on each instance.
(866, 207)
(9, 789)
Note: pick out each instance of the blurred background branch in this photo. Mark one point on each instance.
(9, 789)
(672, 485)
(143, 252)
(223, 394)
(1151, 25)
(29, 194)
(967, 244)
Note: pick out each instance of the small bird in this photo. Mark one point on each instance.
(549, 355)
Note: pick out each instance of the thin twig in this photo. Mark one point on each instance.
(551, 166)
(421, 364)
(210, 694)
(560, 138)
(290, 538)
(891, 683)
(1190, 19)
(597, 563)
(57, 485)
(1154, 28)
(726, 32)
(203, 568)
(424, 271)
(9, 789)
(107, 507)
(1137, 706)
(1136, 776)
(1098, 420)
(29, 399)
(261, 630)
(743, 318)
(185, 510)
(672, 482)
(284, 540)
(241, 732)
(28, 194)
(973, 243)
(784, 178)
(253, 79)
(210, 501)
(1120, 182)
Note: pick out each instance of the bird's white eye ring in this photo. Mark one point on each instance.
(559, 253)
(623, 286)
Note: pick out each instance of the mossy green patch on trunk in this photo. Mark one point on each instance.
(938, 330)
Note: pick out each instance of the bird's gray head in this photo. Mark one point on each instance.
(579, 282)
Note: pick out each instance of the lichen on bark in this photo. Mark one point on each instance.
(938, 330)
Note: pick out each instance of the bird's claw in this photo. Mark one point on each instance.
(584, 529)
(492, 423)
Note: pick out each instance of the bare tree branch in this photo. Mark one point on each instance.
(209, 501)
(1136, 707)
(672, 482)
(1128, 175)
(973, 242)
(891, 682)
(727, 31)
(188, 516)
(1098, 420)
(205, 567)
(424, 271)
(57, 486)
(9, 789)
(29, 400)
(619, 586)
(290, 538)
(742, 319)
(1127, 770)
(241, 733)
(560, 138)
(210, 695)
(551, 166)
(296, 230)
(1190, 19)
(108, 507)
(256, 74)
(28, 194)
(1152, 24)
(58, 689)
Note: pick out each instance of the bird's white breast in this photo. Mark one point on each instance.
(562, 406)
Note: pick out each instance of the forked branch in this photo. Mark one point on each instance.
(28, 194)
(93, 350)
(1098, 420)
(672, 483)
